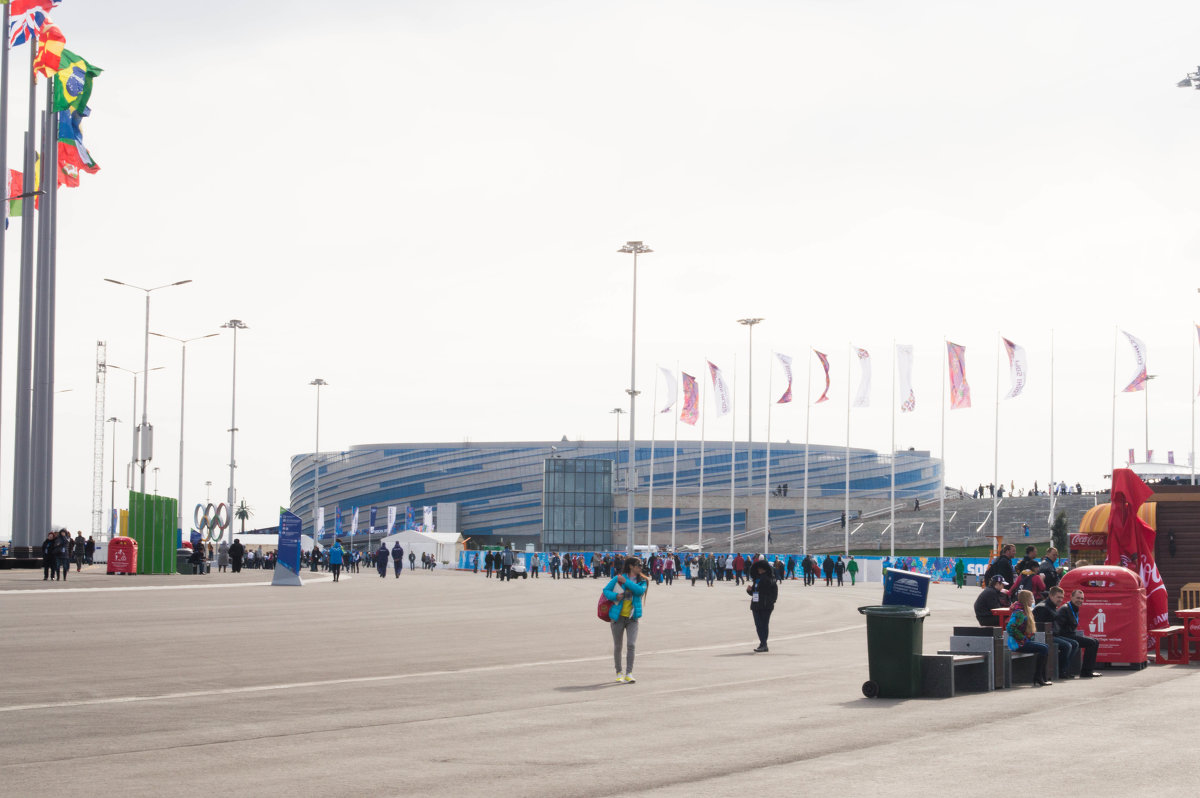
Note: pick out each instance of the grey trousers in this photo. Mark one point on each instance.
(629, 628)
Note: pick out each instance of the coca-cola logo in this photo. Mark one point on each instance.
(1089, 541)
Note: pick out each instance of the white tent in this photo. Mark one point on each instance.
(444, 546)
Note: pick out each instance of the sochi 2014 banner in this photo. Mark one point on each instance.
(1138, 383)
(1018, 367)
(786, 362)
(821, 356)
(720, 391)
(690, 413)
(960, 391)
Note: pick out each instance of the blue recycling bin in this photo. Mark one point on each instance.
(905, 589)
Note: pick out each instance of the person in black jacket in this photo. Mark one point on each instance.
(1048, 567)
(1066, 624)
(1044, 613)
(990, 598)
(196, 558)
(763, 593)
(49, 568)
(236, 552)
(489, 562)
(1002, 565)
(62, 553)
(398, 558)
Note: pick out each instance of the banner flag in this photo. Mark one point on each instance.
(320, 521)
(690, 412)
(354, 524)
(1018, 367)
(337, 521)
(408, 516)
(1131, 541)
(672, 389)
(391, 520)
(1170, 457)
(1131, 456)
(825, 365)
(863, 397)
(786, 361)
(427, 519)
(1138, 383)
(904, 364)
(371, 526)
(25, 17)
(960, 392)
(1149, 455)
(720, 390)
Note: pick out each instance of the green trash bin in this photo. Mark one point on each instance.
(894, 642)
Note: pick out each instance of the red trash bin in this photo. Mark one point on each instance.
(122, 556)
(1113, 611)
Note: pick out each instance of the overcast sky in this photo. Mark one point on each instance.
(421, 203)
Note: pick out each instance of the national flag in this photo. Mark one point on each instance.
(1018, 366)
(73, 82)
(1131, 541)
(863, 397)
(825, 365)
(720, 390)
(786, 362)
(51, 42)
(960, 391)
(391, 521)
(73, 157)
(16, 187)
(672, 389)
(1138, 383)
(25, 18)
(904, 364)
(1170, 457)
(690, 413)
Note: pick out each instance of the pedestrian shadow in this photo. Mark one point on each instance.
(738, 654)
(585, 688)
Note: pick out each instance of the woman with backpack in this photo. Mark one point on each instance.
(626, 591)
(1019, 636)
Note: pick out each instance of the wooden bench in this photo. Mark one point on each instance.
(1170, 645)
(947, 672)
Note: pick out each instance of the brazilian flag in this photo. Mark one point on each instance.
(73, 82)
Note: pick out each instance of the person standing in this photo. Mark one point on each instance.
(840, 570)
(336, 553)
(78, 551)
(1066, 624)
(397, 558)
(89, 550)
(236, 552)
(852, 569)
(763, 592)
(626, 591)
(827, 568)
(960, 573)
(382, 556)
(222, 557)
(489, 562)
(739, 566)
(62, 553)
(49, 568)
(506, 562)
(412, 560)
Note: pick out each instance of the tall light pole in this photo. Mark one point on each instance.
(113, 482)
(749, 325)
(634, 248)
(133, 414)
(208, 491)
(156, 480)
(183, 342)
(235, 325)
(145, 431)
(618, 412)
(319, 383)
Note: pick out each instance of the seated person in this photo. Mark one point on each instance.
(1019, 636)
(1066, 624)
(990, 598)
(1044, 613)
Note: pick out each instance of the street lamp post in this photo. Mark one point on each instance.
(135, 430)
(235, 325)
(319, 383)
(183, 342)
(156, 480)
(145, 431)
(113, 481)
(208, 491)
(618, 412)
(749, 325)
(634, 248)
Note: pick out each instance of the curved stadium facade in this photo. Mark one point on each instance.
(570, 494)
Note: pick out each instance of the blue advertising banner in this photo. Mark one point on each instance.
(287, 564)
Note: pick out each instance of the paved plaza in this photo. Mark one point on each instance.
(444, 683)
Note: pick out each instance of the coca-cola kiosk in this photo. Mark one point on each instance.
(1113, 611)
(122, 556)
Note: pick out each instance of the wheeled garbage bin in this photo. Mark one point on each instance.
(894, 641)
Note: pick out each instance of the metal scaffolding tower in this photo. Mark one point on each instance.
(98, 443)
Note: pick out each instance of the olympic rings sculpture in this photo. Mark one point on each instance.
(212, 520)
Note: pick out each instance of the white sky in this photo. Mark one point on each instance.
(421, 201)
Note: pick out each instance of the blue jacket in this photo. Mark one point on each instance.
(335, 554)
(616, 594)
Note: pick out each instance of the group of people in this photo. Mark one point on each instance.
(1018, 587)
(59, 550)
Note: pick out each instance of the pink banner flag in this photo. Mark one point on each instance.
(1170, 457)
(787, 370)
(1131, 457)
(1138, 383)
(960, 392)
(720, 391)
(825, 365)
(690, 413)
(1149, 455)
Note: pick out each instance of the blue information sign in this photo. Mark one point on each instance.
(289, 542)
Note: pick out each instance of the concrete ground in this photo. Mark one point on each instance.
(452, 684)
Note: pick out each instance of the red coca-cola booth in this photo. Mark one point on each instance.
(1113, 611)
(122, 556)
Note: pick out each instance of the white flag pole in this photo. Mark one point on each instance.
(675, 466)
(846, 525)
(767, 479)
(1052, 491)
(893, 501)
(807, 416)
(732, 453)
(942, 481)
(704, 377)
(653, 420)
(996, 452)
(1113, 451)
(1192, 446)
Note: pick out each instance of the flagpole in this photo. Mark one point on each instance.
(732, 454)
(703, 420)
(807, 416)
(846, 525)
(942, 503)
(674, 468)
(767, 478)
(4, 176)
(893, 500)
(1192, 446)
(1113, 451)
(996, 453)
(653, 424)
(1052, 491)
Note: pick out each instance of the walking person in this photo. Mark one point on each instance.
(626, 591)
(90, 550)
(852, 569)
(382, 556)
(335, 559)
(506, 563)
(827, 568)
(222, 557)
(62, 553)
(236, 552)
(763, 592)
(960, 573)
(49, 570)
(397, 558)
(79, 551)
(840, 569)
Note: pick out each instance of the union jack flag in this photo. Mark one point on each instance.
(25, 18)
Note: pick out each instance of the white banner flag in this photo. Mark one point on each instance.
(786, 361)
(672, 389)
(1138, 383)
(1018, 367)
(391, 520)
(354, 523)
(720, 391)
(904, 364)
(427, 518)
(863, 397)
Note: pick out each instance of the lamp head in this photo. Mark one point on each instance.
(635, 247)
